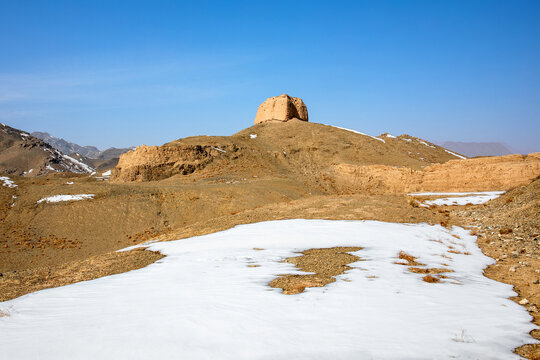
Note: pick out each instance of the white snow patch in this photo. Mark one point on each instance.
(78, 163)
(49, 167)
(458, 193)
(202, 301)
(453, 153)
(59, 198)
(69, 183)
(460, 198)
(405, 139)
(357, 132)
(464, 200)
(218, 149)
(252, 136)
(425, 143)
(106, 173)
(7, 182)
(390, 136)
(138, 246)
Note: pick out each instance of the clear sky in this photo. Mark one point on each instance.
(122, 73)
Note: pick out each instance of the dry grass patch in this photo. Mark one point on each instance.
(15, 284)
(431, 279)
(429, 270)
(324, 263)
(411, 260)
(452, 251)
(415, 202)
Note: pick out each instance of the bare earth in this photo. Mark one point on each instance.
(324, 263)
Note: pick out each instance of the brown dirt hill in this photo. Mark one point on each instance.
(296, 149)
(25, 155)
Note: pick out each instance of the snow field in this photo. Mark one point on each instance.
(202, 301)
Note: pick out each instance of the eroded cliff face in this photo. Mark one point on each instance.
(148, 163)
(480, 174)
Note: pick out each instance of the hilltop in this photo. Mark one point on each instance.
(293, 148)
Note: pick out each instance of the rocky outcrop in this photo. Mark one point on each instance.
(480, 174)
(281, 108)
(148, 163)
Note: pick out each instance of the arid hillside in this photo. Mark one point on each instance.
(25, 155)
(331, 159)
(296, 149)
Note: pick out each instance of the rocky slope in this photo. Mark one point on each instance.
(508, 230)
(67, 147)
(25, 155)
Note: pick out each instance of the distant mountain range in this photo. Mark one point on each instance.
(39, 153)
(472, 149)
(91, 152)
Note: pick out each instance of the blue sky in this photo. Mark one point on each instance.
(121, 73)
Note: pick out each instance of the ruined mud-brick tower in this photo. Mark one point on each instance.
(281, 108)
